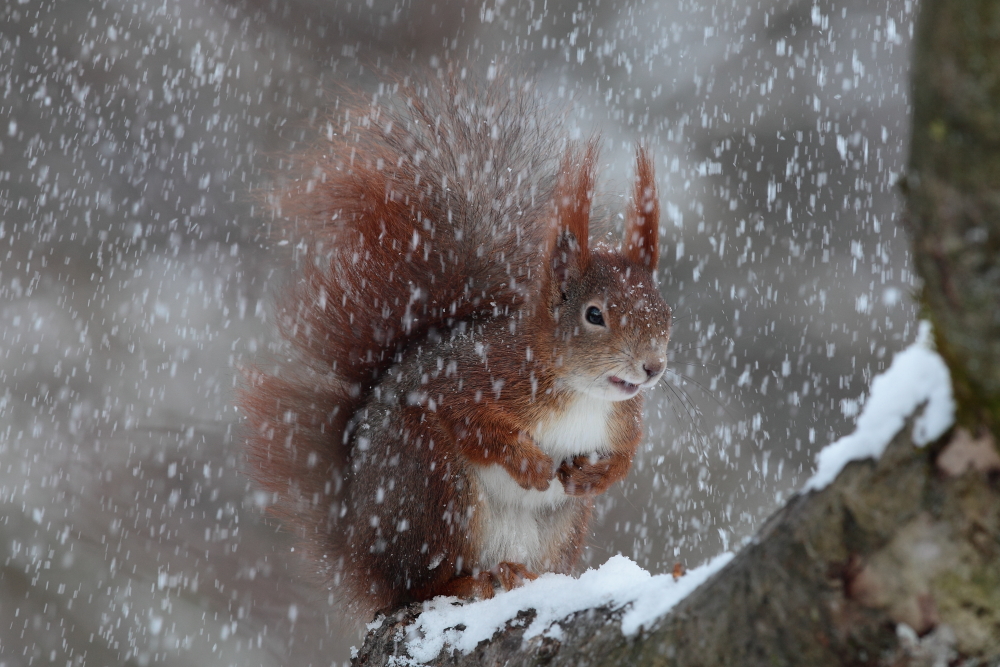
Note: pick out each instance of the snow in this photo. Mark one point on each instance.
(917, 377)
(619, 583)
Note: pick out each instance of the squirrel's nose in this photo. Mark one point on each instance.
(652, 368)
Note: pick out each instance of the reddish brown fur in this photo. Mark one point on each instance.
(443, 265)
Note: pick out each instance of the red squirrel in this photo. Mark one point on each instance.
(464, 370)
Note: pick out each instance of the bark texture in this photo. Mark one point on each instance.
(953, 194)
(898, 561)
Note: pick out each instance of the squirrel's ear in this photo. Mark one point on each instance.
(571, 228)
(642, 225)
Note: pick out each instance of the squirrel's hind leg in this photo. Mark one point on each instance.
(512, 575)
(482, 585)
(412, 524)
(467, 586)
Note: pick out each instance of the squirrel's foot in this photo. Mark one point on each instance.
(512, 575)
(585, 475)
(467, 586)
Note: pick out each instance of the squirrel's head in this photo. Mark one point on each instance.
(612, 325)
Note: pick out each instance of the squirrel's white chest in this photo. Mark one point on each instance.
(582, 428)
(519, 525)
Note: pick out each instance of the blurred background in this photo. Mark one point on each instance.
(135, 279)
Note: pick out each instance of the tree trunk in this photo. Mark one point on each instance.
(897, 562)
(953, 194)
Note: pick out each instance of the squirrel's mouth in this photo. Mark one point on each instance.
(624, 385)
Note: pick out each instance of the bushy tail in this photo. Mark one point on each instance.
(425, 208)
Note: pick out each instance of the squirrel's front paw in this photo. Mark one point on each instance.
(532, 472)
(586, 475)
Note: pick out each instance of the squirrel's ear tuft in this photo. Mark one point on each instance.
(642, 225)
(571, 220)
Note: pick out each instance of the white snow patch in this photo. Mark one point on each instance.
(618, 583)
(917, 377)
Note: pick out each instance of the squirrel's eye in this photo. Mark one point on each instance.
(594, 316)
